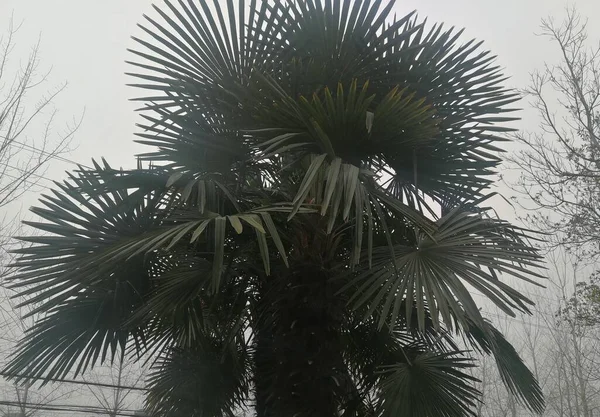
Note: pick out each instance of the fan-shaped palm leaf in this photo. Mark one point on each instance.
(434, 268)
(429, 384)
(210, 379)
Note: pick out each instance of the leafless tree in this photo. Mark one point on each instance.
(561, 351)
(559, 168)
(560, 163)
(29, 139)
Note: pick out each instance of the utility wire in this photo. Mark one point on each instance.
(25, 173)
(72, 381)
(52, 156)
(74, 408)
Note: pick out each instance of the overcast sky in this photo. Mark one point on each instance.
(85, 43)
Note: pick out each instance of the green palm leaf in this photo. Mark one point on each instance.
(429, 384)
(513, 371)
(209, 379)
(465, 248)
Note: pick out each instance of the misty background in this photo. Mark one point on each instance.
(84, 44)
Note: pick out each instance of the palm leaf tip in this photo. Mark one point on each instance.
(515, 374)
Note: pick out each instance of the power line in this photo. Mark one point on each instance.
(72, 381)
(71, 408)
(33, 183)
(51, 155)
(25, 173)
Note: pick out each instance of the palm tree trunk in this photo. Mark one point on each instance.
(298, 359)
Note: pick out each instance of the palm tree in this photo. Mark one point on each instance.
(309, 230)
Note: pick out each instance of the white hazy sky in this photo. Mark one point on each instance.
(85, 43)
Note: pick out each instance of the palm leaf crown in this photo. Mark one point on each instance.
(312, 221)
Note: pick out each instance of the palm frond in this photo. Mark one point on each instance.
(465, 249)
(209, 379)
(429, 384)
(519, 380)
(83, 330)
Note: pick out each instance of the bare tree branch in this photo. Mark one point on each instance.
(560, 163)
(29, 139)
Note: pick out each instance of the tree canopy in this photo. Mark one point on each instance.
(311, 226)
